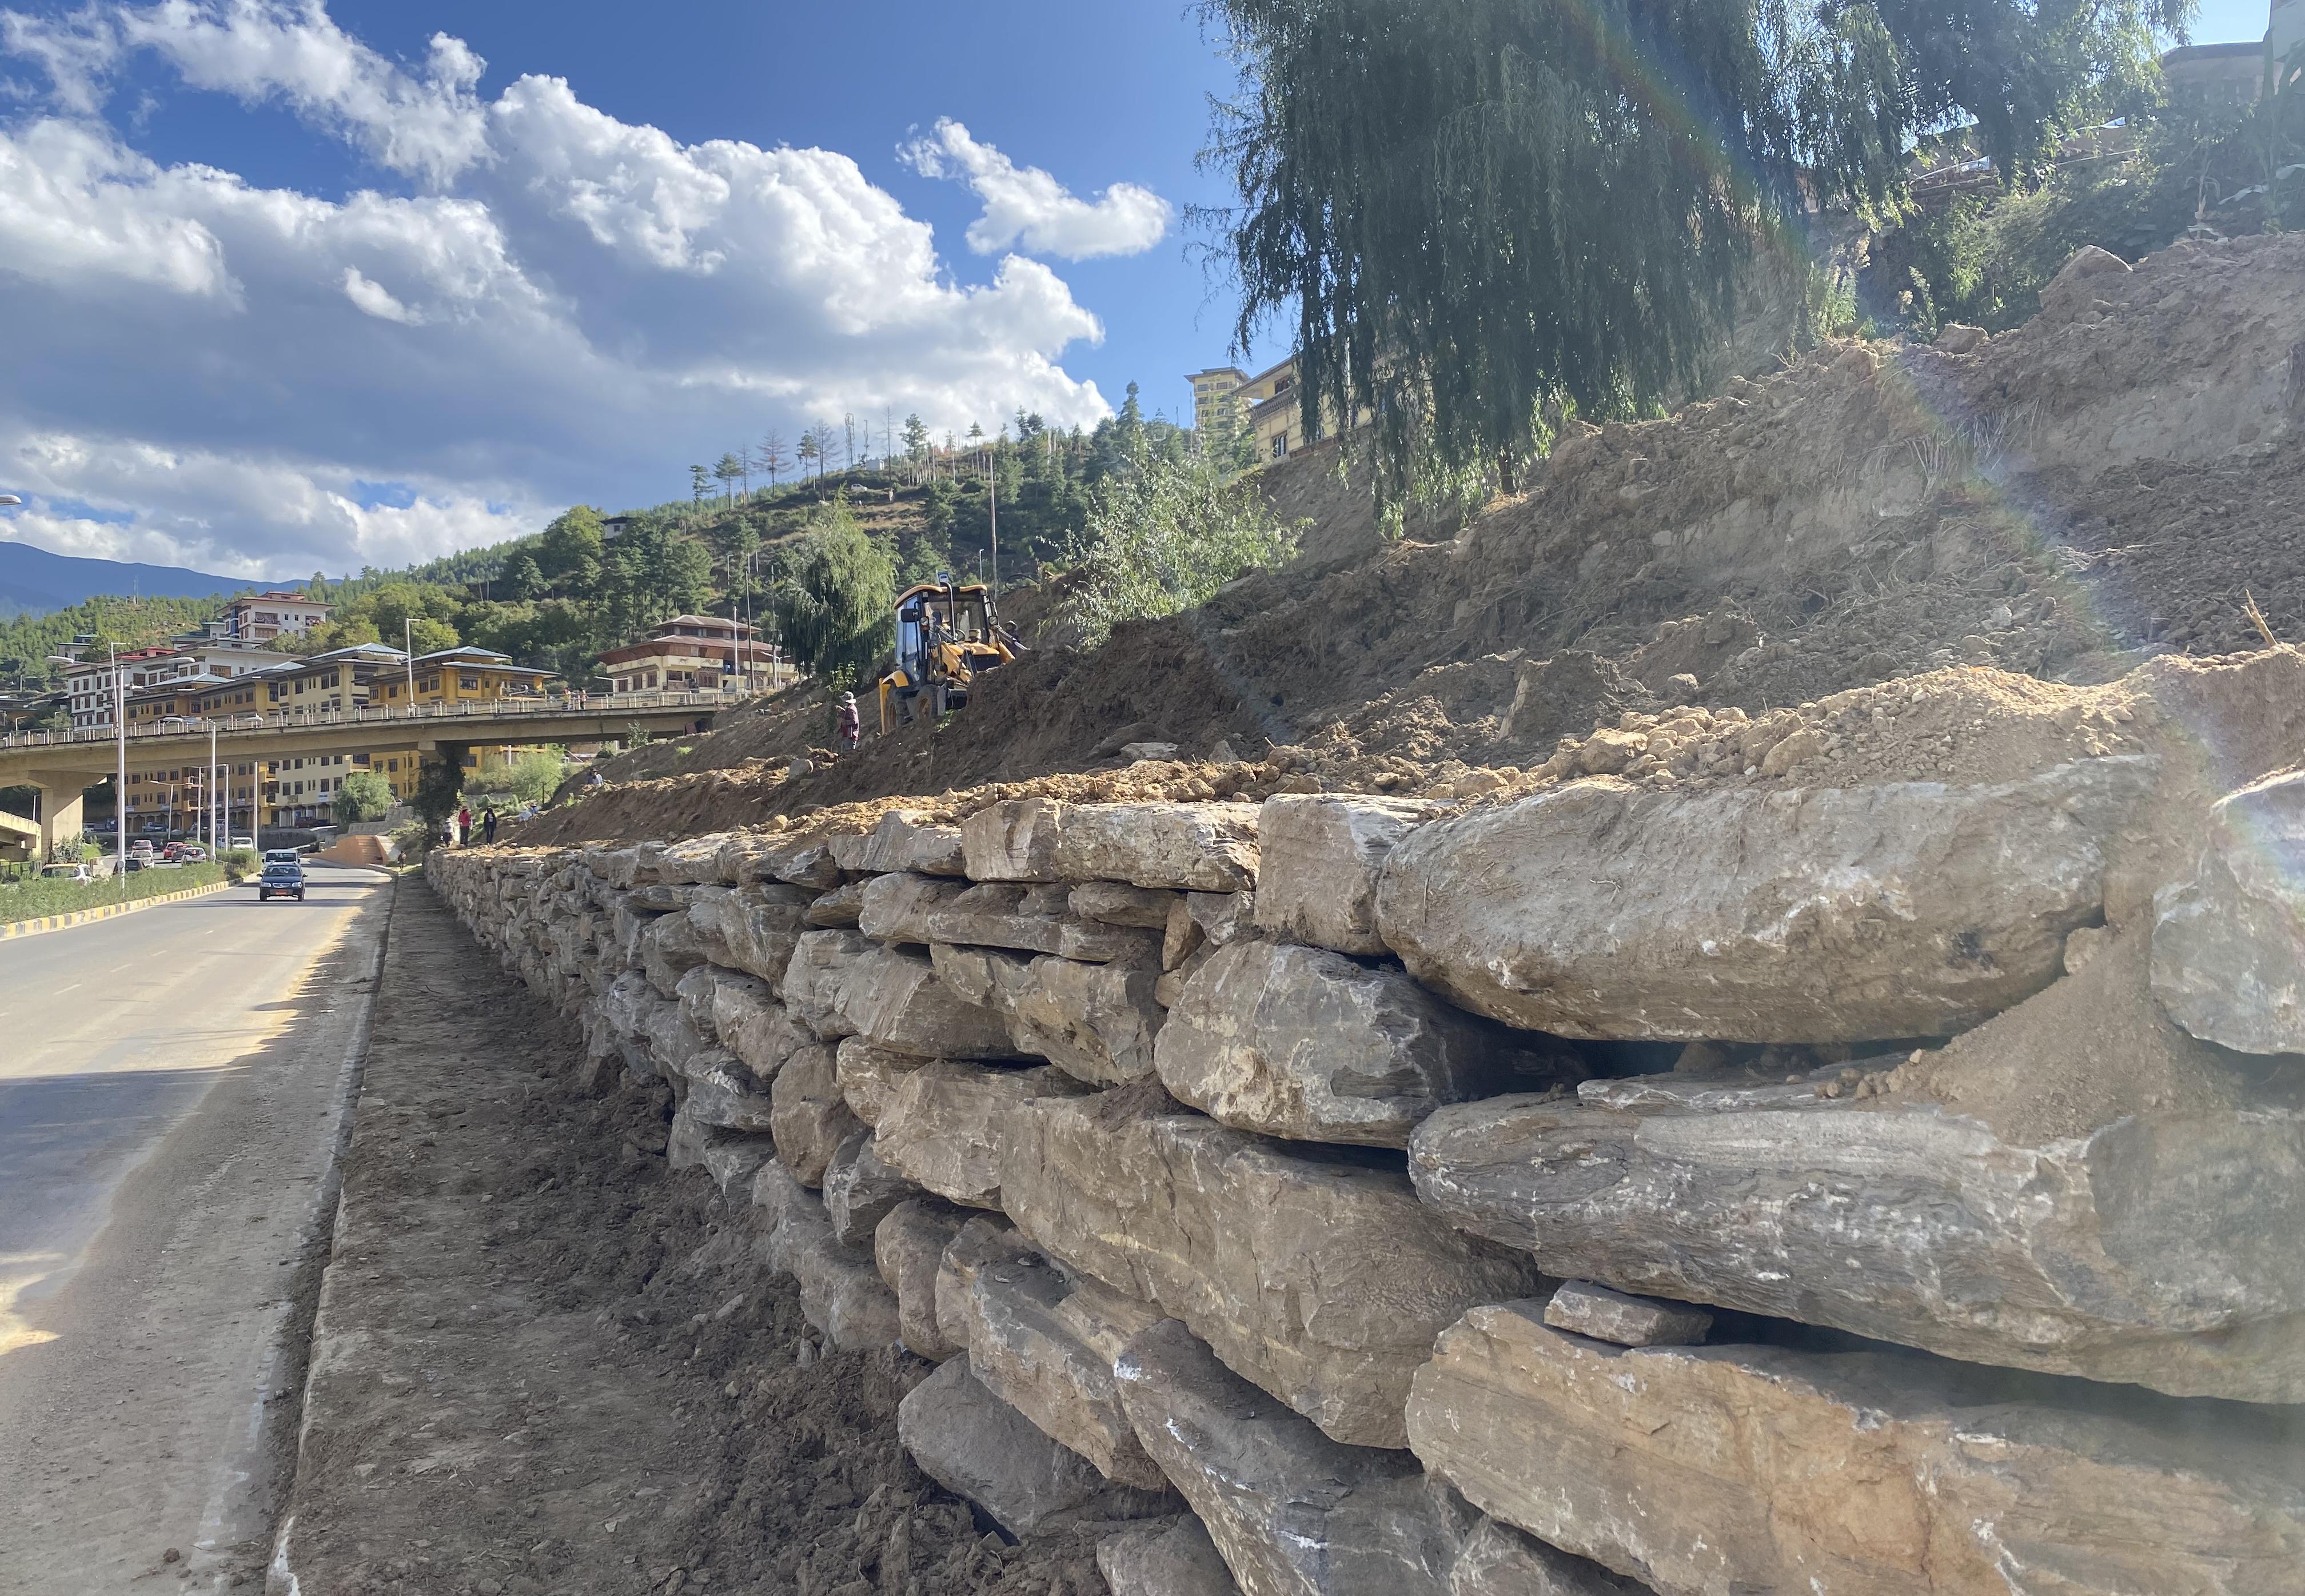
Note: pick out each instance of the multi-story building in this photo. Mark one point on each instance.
(260, 617)
(1269, 404)
(693, 654)
(89, 682)
(1214, 392)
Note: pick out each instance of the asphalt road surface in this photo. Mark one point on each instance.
(172, 1086)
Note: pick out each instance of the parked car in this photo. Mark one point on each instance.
(65, 873)
(243, 842)
(282, 877)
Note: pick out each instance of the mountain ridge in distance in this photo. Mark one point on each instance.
(35, 582)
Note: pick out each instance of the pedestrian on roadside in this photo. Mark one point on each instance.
(852, 725)
(488, 826)
(464, 826)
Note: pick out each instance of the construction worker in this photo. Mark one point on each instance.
(852, 725)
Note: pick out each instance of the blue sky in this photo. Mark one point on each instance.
(295, 284)
(292, 284)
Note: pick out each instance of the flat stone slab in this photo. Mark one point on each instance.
(1045, 1345)
(1613, 1316)
(841, 983)
(869, 1074)
(1115, 902)
(901, 840)
(895, 908)
(977, 1447)
(1317, 1275)
(841, 1293)
(1707, 1470)
(942, 1125)
(1305, 1043)
(1790, 915)
(1200, 847)
(2229, 945)
(754, 927)
(1321, 855)
(2158, 1250)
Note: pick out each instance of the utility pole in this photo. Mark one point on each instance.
(215, 840)
(119, 775)
(993, 509)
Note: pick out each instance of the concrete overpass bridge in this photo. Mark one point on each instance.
(63, 764)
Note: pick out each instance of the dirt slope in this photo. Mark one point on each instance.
(2109, 482)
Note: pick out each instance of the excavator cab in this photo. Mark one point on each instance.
(947, 636)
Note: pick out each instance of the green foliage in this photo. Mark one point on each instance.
(531, 778)
(363, 795)
(31, 899)
(416, 838)
(834, 601)
(1162, 537)
(30, 640)
(439, 786)
(1480, 211)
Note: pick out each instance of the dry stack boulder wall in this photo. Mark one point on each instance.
(1300, 1185)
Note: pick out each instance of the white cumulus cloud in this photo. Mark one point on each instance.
(559, 306)
(1026, 208)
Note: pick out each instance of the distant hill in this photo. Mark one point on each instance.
(36, 582)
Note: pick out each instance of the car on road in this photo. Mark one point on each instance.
(243, 842)
(283, 856)
(65, 873)
(281, 878)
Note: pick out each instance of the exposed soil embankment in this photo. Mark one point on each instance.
(2113, 481)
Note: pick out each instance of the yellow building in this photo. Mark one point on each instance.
(1269, 404)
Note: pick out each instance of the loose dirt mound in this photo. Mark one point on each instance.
(2112, 481)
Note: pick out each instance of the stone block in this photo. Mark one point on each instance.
(1222, 918)
(1321, 854)
(2228, 945)
(841, 1293)
(1046, 1345)
(895, 908)
(1302, 1043)
(757, 926)
(669, 948)
(943, 1124)
(700, 995)
(869, 1073)
(1316, 1274)
(1174, 1559)
(860, 1191)
(808, 1116)
(1097, 1022)
(1115, 902)
(695, 858)
(1182, 936)
(843, 984)
(764, 1035)
(978, 1245)
(1585, 1309)
(1756, 914)
(978, 1447)
(814, 980)
(721, 1091)
(908, 1249)
(1707, 1470)
(1202, 847)
(902, 839)
(2158, 1249)
(1292, 1511)
(835, 909)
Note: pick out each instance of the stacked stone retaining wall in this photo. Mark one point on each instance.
(1838, 1190)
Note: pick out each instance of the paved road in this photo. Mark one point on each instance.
(170, 1096)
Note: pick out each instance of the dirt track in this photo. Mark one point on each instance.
(544, 1363)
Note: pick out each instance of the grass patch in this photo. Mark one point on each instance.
(31, 900)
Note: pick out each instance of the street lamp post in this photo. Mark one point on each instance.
(119, 775)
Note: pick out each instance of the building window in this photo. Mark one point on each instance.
(1280, 445)
(469, 683)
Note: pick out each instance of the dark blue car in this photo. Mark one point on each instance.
(282, 877)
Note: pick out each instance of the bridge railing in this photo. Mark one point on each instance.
(528, 706)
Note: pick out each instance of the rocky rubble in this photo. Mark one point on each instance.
(1234, 1155)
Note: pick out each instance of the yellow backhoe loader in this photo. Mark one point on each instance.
(947, 636)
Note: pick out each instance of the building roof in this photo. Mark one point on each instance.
(277, 596)
(488, 659)
(2246, 48)
(355, 654)
(720, 622)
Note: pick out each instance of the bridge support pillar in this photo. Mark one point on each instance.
(60, 808)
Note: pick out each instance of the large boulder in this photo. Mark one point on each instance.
(1097, 1022)
(1157, 1559)
(1295, 1513)
(1200, 847)
(1321, 855)
(721, 1091)
(841, 984)
(1317, 1275)
(978, 1447)
(870, 1073)
(841, 1293)
(942, 1125)
(860, 1191)
(808, 1117)
(1708, 1470)
(669, 948)
(908, 1249)
(1045, 1345)
(2158, 1247)
(757, 927)
(902, 839)
(897, 908)
(1305, 1043)
(2228, 945)
(1747, 913)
